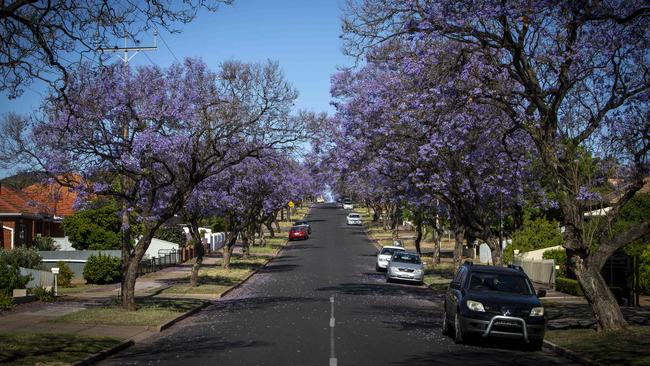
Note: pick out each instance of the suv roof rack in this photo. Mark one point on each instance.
(514, 266)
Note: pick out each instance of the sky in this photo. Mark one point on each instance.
(303, 36)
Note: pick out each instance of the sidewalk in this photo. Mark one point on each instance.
(565, 311)
(38, 317)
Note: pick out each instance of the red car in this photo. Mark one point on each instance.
(298, 233)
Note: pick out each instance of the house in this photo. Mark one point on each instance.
(36, 210)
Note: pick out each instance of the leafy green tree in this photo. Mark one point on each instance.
(535, 233)
(174, 234)
(96, 228)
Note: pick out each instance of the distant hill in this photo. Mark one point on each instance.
(23, 180)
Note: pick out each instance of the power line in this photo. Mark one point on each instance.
(168, 48)
(159, 35)
(150, 60)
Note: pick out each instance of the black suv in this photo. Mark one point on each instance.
(493, 302)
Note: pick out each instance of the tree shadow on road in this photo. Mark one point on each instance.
(183, 349)
(380, 289)
(275, 268)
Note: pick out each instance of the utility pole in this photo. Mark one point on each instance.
(126, 49)
(125, 292)
(501, 220)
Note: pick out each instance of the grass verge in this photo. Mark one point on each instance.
(50, 349)
(215, 280)
(150, 312)
(627, 347)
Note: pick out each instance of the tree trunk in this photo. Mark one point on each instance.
(418, 236)
(269, 227)
(262, 237)
(246, 249)
(603, 303)
(375, 214)
(128, 285)
(459, 236)
(227, 250)
(496, 252)
(436, 245)
(277, 226)
(199, 250)
(130, 276)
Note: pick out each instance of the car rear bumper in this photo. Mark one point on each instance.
(503, 327)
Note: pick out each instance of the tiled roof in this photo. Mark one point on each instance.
(57, 199)
(16, 202)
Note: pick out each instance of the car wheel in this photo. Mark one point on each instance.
(445, 323)
(388, 279)
(458, 331)
(536, 345)
(377, 268)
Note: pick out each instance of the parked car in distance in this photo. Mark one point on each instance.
(354, 219)
(304, 224)
(298, 233)
(347, 205)
(405, 266)
(320, 199)
(494, 301)
(384, 256)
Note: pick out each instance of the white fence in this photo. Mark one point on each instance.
(541, 271)
(39, 278)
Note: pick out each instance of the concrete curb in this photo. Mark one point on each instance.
(569, 354)
(245, 279)
(276, 255)
(171, 322)
(105, 353)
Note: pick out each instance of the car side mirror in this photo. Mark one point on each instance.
(541, 293)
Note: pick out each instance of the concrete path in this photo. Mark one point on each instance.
(38, 318)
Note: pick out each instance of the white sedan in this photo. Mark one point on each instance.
(354, 218)
(385, 255)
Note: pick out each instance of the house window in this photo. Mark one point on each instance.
(22, 232)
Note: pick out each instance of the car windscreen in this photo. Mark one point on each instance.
(390, 251)
(353, 216)
(296, 228)
(405, 258)
(300, 223)
(500, 282)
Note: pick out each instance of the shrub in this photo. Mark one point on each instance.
(65, 274)
(43, 294)
(568, 286)
(535, 233)
(559, 255)
(6, 301)
(95, 228)
(102, 269)
(10, 278)
(21, 257)
(45, 243)
(174, 234)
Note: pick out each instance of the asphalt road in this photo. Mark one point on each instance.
(284, 315)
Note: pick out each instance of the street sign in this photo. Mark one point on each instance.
(291, 204)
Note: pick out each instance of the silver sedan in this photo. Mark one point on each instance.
(405, 266)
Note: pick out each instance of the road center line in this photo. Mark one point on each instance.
(333, 360)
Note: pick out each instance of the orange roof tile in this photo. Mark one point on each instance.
(57, 199)
(15, 202)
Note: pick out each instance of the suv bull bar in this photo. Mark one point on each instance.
(488, 330)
